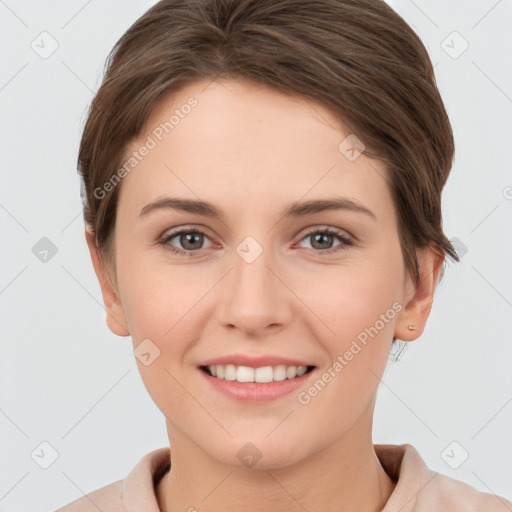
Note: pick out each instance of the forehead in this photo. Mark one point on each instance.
(249, 144)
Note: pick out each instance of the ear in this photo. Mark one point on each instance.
(419, 298)
(116, 319)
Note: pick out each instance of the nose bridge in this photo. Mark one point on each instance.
(253, 297)
(251, 274)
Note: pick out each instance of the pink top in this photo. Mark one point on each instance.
(418, 488)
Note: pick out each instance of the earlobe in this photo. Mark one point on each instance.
(116, 320)
(412, 319)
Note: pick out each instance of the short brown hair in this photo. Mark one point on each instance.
(358, 58)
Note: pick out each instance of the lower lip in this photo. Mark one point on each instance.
(256, 391)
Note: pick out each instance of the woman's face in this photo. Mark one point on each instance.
(255, 281)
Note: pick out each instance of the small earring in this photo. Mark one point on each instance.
(411, 327)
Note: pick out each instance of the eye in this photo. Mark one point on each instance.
(323, 238)
(190, 239)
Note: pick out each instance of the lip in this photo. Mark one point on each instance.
(255, 361)
(256, 391)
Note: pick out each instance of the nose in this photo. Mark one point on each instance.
(254, 297)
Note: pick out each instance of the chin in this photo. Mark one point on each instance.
(261, 452)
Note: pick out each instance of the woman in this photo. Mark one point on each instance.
(262, 198)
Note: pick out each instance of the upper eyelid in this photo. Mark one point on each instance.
(192, 228)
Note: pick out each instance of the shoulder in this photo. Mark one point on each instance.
(450, 494)
(419, 489)
(107, 499)
(136, 491)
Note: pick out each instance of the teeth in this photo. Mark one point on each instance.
(262, 374)
(280, 372)
(230, 372)
(245, 374)
(291, 371)
(301, 370)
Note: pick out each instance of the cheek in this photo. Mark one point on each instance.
(359, 311)
(160, 312)
(161, 304)
(158, 298)
(357, 307)
(349, 298)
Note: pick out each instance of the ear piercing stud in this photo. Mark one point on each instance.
(411, 327)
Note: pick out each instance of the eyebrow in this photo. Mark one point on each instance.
(297, 209)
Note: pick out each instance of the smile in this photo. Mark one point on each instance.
(263, 374)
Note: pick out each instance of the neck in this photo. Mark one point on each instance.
(345, 475)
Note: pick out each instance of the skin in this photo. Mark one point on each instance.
(252, 150)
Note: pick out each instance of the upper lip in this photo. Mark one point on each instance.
(254, 362)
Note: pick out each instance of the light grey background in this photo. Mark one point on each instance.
(68, 381)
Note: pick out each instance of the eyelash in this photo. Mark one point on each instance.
(330, 231)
